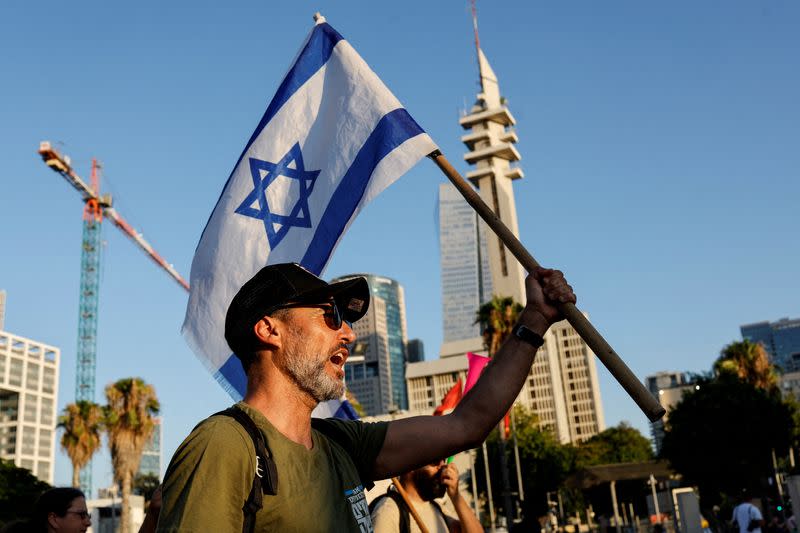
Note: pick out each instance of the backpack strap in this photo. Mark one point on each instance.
(265, 480)
(404, 525)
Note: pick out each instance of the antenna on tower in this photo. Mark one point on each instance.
(477, 39)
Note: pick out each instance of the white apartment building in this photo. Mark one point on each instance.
(562, 387)
(28, 394)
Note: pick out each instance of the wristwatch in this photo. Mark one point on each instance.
(524, 333)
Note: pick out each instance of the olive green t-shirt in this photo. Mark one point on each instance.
(322, 489)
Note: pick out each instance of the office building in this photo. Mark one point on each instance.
(781, 340)
(379, 381)
(562, 386)
(464, 261)
(28, 394)
(151, 455)
(668, 388)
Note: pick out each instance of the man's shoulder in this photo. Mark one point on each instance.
(349, 431)
(219, 430)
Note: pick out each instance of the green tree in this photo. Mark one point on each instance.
(497, 318)
(132, 404)
(19, 490)
(544, 463)
(619, 444)
(82, 423)
(749, 362)
(720, 437)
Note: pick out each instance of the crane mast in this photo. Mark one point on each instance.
(95, 208)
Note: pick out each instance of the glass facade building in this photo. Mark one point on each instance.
(393, 329)
(466, 277)
(781, 340)
(151, 455)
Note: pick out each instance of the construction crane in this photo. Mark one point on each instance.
(95, 208)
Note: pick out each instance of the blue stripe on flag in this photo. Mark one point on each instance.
(314, 55)
(233, 372)
(346, 412)
(395, 128)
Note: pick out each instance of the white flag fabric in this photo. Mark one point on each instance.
(332, 138)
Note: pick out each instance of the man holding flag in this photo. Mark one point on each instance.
(332, 138)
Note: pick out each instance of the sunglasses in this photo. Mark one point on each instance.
(332, 314)
(82, 514)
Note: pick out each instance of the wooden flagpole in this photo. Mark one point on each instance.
(646, 402)
(411, 508)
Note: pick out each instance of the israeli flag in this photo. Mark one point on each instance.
(332, 138)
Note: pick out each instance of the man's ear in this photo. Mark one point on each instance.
(268, 332)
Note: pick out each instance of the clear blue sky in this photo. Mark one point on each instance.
(660, 143)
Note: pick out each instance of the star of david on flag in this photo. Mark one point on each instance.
(332, 138)
(276, 224)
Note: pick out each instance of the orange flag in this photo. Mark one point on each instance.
(450, 400)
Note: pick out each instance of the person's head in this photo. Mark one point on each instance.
(745, 495)
(302, 321)
(62, 510)
(427, 480)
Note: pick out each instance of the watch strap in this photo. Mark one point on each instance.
(524, 333)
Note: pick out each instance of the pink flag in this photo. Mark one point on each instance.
(476, 365)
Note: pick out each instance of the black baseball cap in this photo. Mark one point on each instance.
(275, 286)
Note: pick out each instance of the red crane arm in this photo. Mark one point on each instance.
(61, 164)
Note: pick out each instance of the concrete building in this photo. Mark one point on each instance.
(28, 395)
(668, 388)
(379, 381)
(107, 509)
(466, 275)
(781, 340)
(151, 455)
(562, 386)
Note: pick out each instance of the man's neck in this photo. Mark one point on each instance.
(282, 403)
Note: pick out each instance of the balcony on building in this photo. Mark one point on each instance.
(500, 115)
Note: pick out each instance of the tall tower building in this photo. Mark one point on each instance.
(490, 140)
(466, 275)
(781, 340)
(28, 393)
(562, 387)
(379, 381)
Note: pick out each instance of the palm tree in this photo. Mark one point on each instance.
(132, 404)
(497, 318)
(749, 362)
(82, 422)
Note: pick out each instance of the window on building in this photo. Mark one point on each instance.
(15, 372)
(48, 380)
(32, 377)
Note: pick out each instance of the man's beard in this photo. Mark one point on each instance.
(429, 487)
(308, 372)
